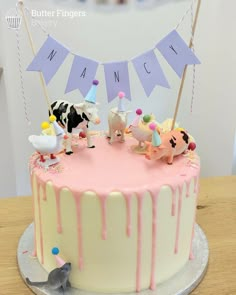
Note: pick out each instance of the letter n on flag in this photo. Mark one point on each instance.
(83, 72)
(117, 79)
(49, 58)
(176, 52)
(149, 72)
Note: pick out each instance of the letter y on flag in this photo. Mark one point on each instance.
(176, 52)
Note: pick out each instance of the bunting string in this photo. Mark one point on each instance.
(194, 25)
(41, 76)
(25, 102)
(190, 8)
(36, 21)
(172, 47)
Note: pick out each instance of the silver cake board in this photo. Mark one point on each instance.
(183, 283)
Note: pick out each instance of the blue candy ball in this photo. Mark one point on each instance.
(55, 251)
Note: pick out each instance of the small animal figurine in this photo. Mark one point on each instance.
(117, 121)
(78, 116)
(167, 145)
(58, 279)
(141, 132)
(49, 144)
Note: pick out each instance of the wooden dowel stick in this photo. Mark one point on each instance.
(21, 5)
(185, 68)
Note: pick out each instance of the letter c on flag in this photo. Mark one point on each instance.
(146, 68)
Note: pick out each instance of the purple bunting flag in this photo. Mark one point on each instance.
(82, 74)
(176, 52)
(117, 79)
(49, 58)
(149, 71)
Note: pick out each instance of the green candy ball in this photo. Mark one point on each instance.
(146, 118)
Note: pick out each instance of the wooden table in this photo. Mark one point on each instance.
(216, 215)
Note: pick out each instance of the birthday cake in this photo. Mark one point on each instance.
(123, 219)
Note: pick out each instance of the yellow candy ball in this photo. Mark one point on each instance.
(45, 125)
(52, 118)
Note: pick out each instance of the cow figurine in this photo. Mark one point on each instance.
(117, 121)
(78, 116)
(168, 145)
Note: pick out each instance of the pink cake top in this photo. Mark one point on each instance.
(108, 168)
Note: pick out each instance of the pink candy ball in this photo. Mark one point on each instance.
(192, 146)
(139, 112)
(121, 94)
(82, 134)
(152, 126)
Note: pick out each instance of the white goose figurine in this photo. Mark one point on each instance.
(49, 144)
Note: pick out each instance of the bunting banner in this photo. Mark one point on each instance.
(149, 72)
(117, 79)
(49, 58)
(176, 52)
(83, 72)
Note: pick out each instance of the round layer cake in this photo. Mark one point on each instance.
(125, 223)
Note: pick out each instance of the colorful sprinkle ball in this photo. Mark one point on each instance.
(139, 112)
(121, 94)
(152, 126)
(45, 125)
(146, 118)
(95, 82)
(55, 251)
(52, 118)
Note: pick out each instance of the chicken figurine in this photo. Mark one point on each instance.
(46, 144)
(141, 132)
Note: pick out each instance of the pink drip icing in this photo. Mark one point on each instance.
(139, 248)
(188, 188)
(154, 237)
(173, 207)
(178, 222)
(40, 224)
(103, 199)
(58, 209)
(43, 185)
(191, 256)
(196, 184)
(128, 210)
(34, 253)
(79, 229)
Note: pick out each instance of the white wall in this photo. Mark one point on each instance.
(107, 37)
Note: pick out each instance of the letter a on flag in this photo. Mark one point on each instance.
(82, 74)
(117, 79)
(149, 71)
(49, 58)
(176, 52)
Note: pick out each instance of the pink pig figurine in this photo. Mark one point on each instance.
(168, 145)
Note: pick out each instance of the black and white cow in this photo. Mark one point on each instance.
(78, 116)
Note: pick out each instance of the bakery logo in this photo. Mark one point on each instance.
(13, 19)
(46, 18)
(49, 18)
(58, 13)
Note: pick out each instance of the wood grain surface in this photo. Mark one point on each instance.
(216, 215)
